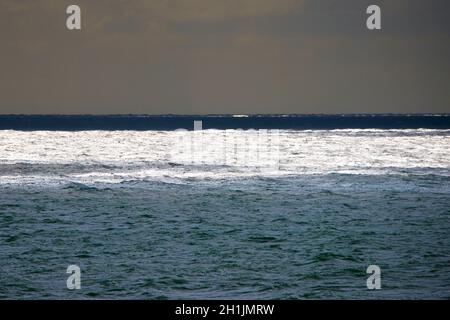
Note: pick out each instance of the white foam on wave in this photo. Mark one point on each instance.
(118, 156)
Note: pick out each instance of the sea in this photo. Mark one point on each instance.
(225, 206)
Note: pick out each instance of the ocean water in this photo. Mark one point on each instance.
(225, 214)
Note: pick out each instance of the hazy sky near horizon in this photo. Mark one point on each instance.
(224, 56)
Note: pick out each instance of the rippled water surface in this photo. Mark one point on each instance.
(149, 215)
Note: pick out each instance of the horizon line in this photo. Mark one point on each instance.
(235, 115)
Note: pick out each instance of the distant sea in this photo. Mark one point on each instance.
(249, 207)
(173, 122)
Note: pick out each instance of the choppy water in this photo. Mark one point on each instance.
(150, 214)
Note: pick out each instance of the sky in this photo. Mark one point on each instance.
(224, 57)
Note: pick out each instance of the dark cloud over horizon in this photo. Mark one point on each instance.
(234, 56)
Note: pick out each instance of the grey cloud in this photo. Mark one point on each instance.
(332, 17)
(223, 56)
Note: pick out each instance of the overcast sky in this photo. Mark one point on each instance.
(224, 56)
